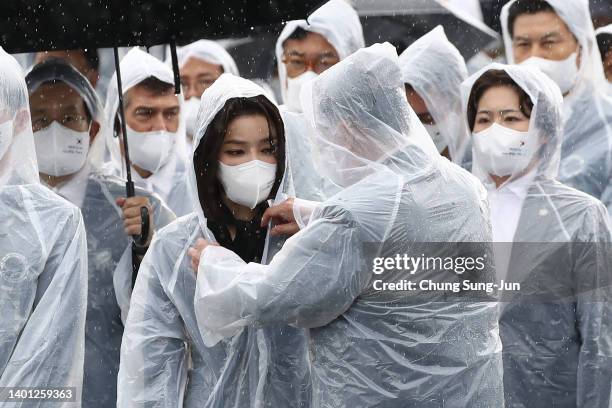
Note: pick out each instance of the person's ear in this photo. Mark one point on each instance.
(94, 129)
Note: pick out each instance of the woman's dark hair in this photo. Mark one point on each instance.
(206, 156)
(604, 43)
(490, 79)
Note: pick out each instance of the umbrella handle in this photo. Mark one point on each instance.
(141, 240)
(175, 68)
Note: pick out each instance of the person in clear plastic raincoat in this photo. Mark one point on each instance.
(553, 240)
(370, 346)
(557, 36)
(69, 126)
(155, 126)
(305, 49)
(200, 64)
(433, 70)
(238, 163)
(43, 261)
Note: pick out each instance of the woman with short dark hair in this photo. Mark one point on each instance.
(553, 241)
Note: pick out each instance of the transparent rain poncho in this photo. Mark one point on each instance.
(586, 153)
(43, 260)
(337, 21)
(168, 181)
(370, 347)
(557, 330)
(436, 69)
(165, 361)
(109, 248)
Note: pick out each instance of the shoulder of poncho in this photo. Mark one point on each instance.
(559, 192)
(56, 210)
(116, 186)
(44, 197)
(179, 230)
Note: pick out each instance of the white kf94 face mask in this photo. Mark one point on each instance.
(564, 72)
(294, 87)
(60, 151)
(502, 151)
(247, 184)
(150, 150)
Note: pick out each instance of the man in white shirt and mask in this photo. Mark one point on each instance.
(557, 37)
(155, 127)
(68, 123)
(200, 64)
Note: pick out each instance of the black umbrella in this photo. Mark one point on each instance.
(42, 25)
(401, 22)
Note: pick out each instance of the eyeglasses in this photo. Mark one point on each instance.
(297, 65)
(74, 122)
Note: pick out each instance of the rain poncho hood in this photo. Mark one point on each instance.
(359, 132)
(109, 248)
(216, 97)
(137, 66)
(337, 21)
(436, 69)
(207, 51)
(43, 263)
(165, 361)
(546, 121)
(366, 346)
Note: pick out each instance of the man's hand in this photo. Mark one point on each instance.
(132, 222)
(195, 252)
(282, 216)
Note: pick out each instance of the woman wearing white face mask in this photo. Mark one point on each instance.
(238, 164)
(554, 241)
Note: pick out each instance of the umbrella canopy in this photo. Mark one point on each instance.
(40, 25)
(401, 22)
